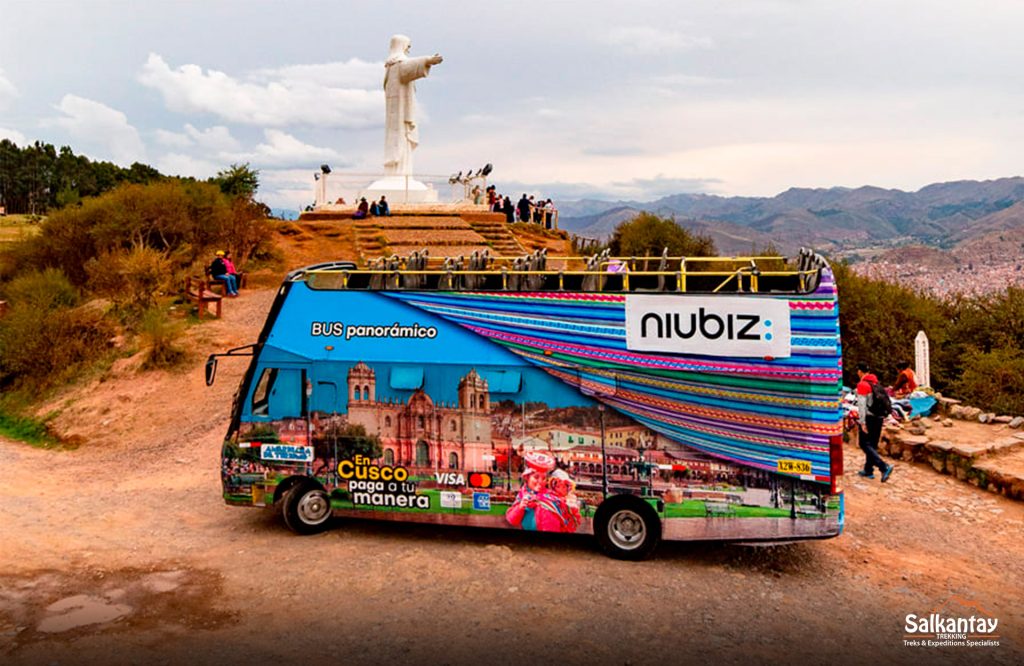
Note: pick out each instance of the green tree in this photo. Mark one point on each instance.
(648, 234)
(992, 380)
(878, 322)
(238, 180)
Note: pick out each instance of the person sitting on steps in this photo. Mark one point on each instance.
(362, 211)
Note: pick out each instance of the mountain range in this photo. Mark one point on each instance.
(837, 220)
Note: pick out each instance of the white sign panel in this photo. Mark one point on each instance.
(451, 500)
(708, 325)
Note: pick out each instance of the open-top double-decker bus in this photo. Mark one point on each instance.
(632, 398)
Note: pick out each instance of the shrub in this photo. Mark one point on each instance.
(132, 279)
(43, 290)
(182, 220)
(160, 336)
(42, 348)
(993, 380)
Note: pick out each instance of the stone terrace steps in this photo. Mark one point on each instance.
(442, 233)
(493, 228)
(369, 237)
(996, 464)
(420, 223)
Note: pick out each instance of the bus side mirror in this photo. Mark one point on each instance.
(211, 369)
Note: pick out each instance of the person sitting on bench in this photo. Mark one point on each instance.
(219, 271)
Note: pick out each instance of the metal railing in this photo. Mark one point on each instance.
(599, 273)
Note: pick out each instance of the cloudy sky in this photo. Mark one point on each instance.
(571, 99)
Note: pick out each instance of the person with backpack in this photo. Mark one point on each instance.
(873, 406)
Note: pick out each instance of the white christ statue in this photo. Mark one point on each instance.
(400, 133)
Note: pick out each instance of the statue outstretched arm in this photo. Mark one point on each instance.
(411, 69)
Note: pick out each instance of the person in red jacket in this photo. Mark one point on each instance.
(906, 381)
(870, 410)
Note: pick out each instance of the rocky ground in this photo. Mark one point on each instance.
(122, 551)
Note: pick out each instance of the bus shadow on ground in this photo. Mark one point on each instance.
(799, 558)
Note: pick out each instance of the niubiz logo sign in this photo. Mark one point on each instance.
(708, 325)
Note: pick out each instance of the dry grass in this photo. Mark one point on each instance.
(16, 227)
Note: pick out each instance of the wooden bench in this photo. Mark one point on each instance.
(198, 290)
(214, 282)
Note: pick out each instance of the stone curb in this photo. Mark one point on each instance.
(977, 464)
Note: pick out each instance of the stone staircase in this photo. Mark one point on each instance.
(493, 228)
(442, 232)
(369, 237)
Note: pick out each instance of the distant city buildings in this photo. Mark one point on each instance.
(971, 278)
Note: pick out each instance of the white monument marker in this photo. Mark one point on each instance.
(922, 360)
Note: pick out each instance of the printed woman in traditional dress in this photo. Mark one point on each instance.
(563, 492)
(532, 493)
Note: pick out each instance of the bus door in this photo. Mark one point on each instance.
(327, 402)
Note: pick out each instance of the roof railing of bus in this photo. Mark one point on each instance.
(598, 273)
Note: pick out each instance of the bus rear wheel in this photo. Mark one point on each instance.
(627, 528)
(306, 508)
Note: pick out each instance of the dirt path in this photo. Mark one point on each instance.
(123, 552)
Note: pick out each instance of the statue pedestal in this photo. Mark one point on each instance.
(399, 190)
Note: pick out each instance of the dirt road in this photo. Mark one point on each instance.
(122, 552)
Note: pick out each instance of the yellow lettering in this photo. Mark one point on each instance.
(361, 469)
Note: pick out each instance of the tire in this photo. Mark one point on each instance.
(627, 528)
(306, 508)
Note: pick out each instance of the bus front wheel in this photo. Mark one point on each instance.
(627, 528)
(306, 508)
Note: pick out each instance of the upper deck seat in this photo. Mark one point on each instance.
(651, 282)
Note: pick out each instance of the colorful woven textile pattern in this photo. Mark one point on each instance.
(752, 411)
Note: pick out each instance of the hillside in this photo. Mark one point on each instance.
(830, 219)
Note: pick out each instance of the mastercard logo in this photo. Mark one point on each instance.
(480, 480)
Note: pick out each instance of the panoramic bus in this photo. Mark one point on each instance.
(633, 398)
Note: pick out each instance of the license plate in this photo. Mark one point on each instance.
(794, 466)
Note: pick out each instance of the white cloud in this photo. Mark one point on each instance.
(648, 40)
(13, 135)
(272, 97)
(353, 73)
(173, 139)
(7, 90)
(99, 129)
(287, 188)
(282, 149)
(179, 164)
(217, 138)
